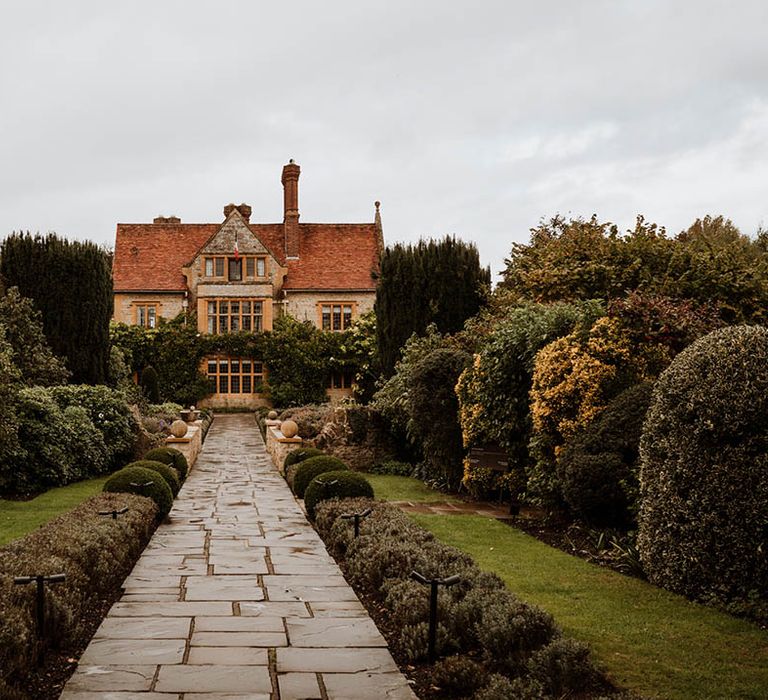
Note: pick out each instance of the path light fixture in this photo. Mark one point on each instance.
(40, 582)
(114, 513)
(433, 583)
(356, 517)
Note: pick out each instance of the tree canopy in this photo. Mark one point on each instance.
(70, 283)
(438, 282)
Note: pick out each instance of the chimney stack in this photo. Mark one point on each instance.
(290, 182)
(244, 209)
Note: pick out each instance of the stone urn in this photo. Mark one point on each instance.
(190, 415)
(179, 428)
(289, 428)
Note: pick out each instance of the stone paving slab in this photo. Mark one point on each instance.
(236, 598)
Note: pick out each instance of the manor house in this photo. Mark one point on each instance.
(238, 276)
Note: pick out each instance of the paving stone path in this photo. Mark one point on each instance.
(236, 597)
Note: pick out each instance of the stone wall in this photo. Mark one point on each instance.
(168, 305)
(189, 445)
(279, 446)
(303, 305)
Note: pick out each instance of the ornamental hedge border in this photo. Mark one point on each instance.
(520, 650)
(95, 552)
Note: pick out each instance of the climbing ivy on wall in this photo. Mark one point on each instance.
(298, 356)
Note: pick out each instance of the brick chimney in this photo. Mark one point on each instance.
(290, 182)
(166, 220)
(244, 209)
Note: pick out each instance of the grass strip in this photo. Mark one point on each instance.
(17, 518)
(647, 639)
(388, 487)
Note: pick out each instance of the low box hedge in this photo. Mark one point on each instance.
(142, 482)
(95, 553)
(338, 484)
(169, 474)
(519, 645)
(312, 467)
(172, 457)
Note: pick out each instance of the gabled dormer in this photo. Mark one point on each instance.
(234, 277)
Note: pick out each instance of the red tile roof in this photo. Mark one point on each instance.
(334, 256)
(149, 257)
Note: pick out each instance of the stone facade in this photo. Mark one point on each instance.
(294, 268)
(305, 305)
(168, 305)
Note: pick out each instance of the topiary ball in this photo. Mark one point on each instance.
(131, 480)
(300, 455)
(172, 457)
(168, 473)
(335, 484)
(312, 467)
(704, 470)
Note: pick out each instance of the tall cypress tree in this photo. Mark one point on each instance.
(438, 282)
(71, 284)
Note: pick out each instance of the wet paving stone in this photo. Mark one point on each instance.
(236, 597)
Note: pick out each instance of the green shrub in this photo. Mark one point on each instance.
(171, 457)
(564, 668)
(300, 455)
(704, 470)
(169, 474)
(110, 414)
(312, 467)
(393, 467)
(510, 631)
(149, 384)
(458, 676)
(130, 480)
(95, 552)
(501, 688)
(434, 411)
(41, 457)
(335, 484)
(598, 470)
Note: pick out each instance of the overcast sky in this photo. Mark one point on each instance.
(474, 118)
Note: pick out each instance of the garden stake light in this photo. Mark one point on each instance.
(356, 517)
(114, 513)
(40, 601)
(433, 583)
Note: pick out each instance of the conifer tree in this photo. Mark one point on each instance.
(438, 282)
(71, 284)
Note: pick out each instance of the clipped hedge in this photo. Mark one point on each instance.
(338, 484)
(171, 457)
(169, 474)
(130, 480)
(95, 552)
(704, 472)
(479, 616)
(312, 467)
(300, 455)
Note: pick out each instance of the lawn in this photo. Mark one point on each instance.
(17, 518)
(656, 643)
(404, 488)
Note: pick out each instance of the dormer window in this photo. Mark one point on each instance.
(235, 269)
(214, 267)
